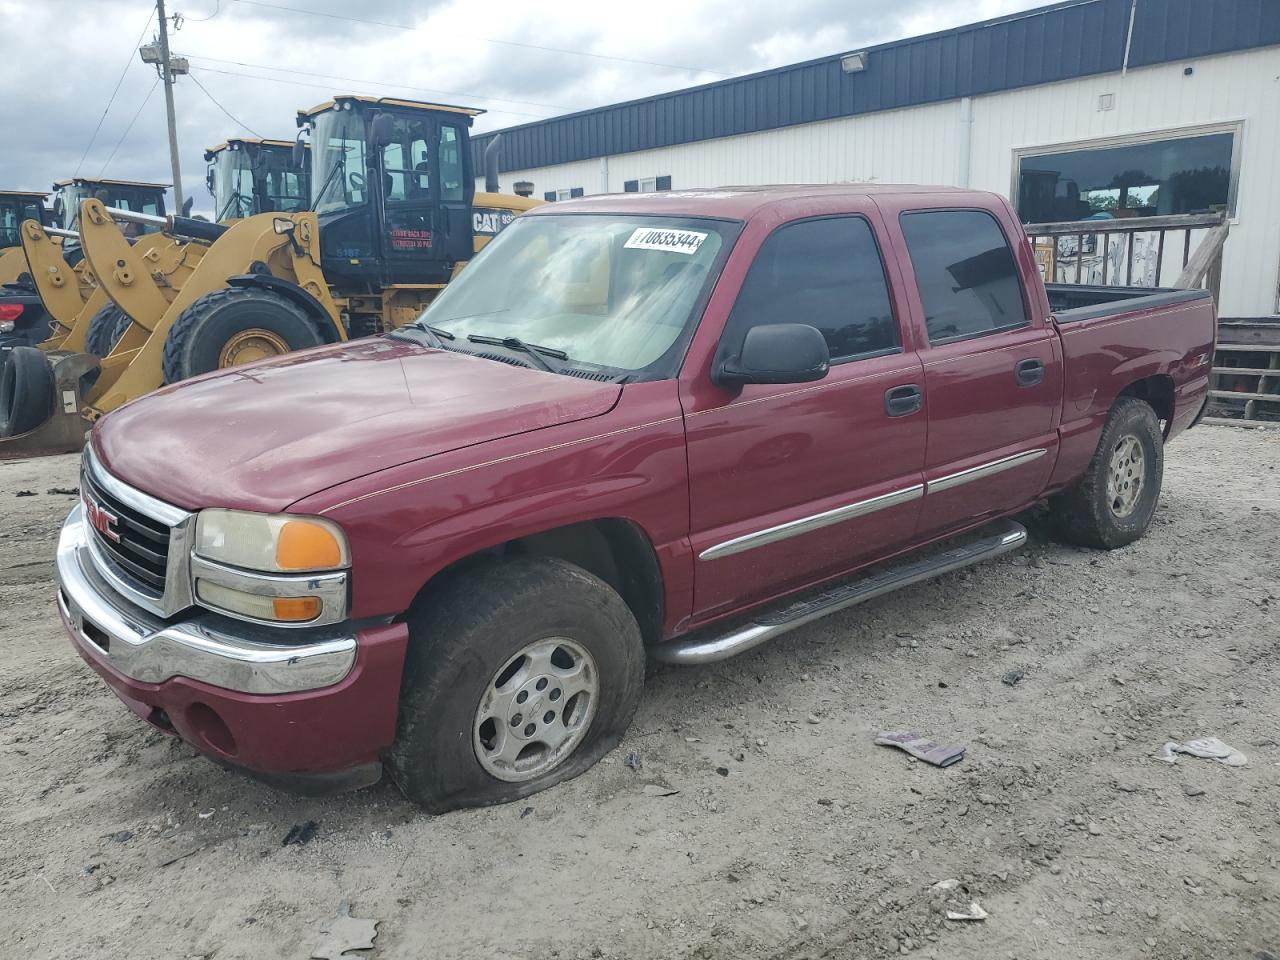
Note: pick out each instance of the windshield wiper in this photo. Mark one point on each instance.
(532, 350)
(434, 335)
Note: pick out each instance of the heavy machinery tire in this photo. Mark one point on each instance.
(105, 330)
(26, 391)
(507, 697)
(233, 326)
(1114, 502)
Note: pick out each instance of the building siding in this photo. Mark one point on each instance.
(1064, 41)
(923, 144)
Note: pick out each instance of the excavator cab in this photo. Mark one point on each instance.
(16, 206)
(392, 184)
(135, 195)
(247, 177)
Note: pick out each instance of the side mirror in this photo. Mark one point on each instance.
(299, 153)
(208, 180)
(777, 353)
(382, 130)
(187, 204)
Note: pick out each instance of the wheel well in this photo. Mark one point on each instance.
(1157, 391)
(615, 550)
(293, 293)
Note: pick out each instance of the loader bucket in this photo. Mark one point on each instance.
(66, 429)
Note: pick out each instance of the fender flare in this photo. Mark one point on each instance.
(291, 291)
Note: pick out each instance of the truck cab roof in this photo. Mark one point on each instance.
(741, 203)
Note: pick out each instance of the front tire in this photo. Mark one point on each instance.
(520, 674)
(230, 327)
(106, 327)
(1114, 502)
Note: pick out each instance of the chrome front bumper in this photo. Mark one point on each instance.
(199, 646)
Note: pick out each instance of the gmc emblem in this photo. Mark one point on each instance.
(101, 520)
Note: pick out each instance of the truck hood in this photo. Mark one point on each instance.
(263, 436)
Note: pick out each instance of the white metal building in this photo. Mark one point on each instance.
(1085, 109)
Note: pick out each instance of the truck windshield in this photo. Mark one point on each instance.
(611, 291)
(338, 161)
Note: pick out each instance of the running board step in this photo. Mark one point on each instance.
(1007, 536)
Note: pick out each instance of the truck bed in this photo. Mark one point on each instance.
(1078, 301)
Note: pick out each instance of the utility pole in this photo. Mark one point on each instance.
(166, 74)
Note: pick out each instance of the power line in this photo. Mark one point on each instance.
(328, 87)
(378, 83)
(509, 43)
(239, 123)
(128, 63)
(136, 115)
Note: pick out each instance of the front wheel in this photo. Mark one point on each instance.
(230, 327)
(520, 674)
(1114, 502)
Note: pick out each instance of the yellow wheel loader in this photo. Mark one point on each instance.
(393, 215)
(59, 283)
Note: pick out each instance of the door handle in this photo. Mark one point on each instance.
(904, 400)
(1029, 372)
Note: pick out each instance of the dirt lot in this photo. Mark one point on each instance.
(791, 835)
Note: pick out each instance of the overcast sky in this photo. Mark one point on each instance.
(263, 59)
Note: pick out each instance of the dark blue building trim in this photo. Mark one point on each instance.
(1059, 42)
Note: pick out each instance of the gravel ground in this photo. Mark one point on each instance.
(791, 835)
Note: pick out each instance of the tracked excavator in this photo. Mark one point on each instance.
(392, 215)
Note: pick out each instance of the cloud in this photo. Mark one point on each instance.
(510, 57)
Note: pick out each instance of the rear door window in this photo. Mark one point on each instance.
(968, 281)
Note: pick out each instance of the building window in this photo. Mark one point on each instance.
(1184, 174)
(647, 185)
(553, 195)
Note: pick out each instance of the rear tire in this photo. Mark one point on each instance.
(26, 391)
(570, 651)
(105, 330)
(233, 326)
(1114, 502)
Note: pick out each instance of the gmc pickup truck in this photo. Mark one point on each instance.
(671, 425)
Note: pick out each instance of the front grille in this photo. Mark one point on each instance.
(142, 552)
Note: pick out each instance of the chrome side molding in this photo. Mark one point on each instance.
(985, 470)
(816, 522)
(1007, 535)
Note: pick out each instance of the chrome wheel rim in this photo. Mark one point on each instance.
(1126, 476)
(536, 709)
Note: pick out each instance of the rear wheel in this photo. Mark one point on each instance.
(1114, 502)
(520, 674)
(26, 391)
(105, 330)
(231, 327)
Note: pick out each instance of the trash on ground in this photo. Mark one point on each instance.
(974, 912)
(633, 761)
(343, 933)
(659, 790)
(25, 493)
(1012, 678)
(920, 747)
(944, 885)
(63, 491)
(300, 833)
(1208, 748)
(120, 836)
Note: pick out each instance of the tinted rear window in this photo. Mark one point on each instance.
(964, 268)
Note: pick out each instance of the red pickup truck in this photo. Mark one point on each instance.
(670, 424)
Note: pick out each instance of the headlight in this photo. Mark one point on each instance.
(272, 568)
(278, 543)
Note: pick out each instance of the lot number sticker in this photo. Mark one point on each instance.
(669, 241)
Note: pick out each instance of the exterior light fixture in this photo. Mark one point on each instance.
(854, 62)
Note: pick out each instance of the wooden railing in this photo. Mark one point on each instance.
(1104, 252)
